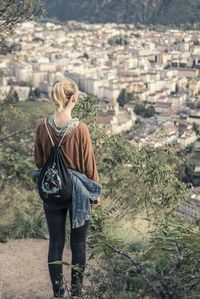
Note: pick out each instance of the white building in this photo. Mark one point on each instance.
(4, 90)
(187, 138)
(39, 77)
(22, 92)
(23, 72)
(116, 119)
(191, 207)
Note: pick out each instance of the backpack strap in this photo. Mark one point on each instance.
(53, 144)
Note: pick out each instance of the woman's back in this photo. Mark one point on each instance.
(76, 146)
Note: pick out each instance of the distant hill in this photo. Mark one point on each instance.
(165, 12)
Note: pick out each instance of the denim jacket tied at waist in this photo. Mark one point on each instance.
(84, 192)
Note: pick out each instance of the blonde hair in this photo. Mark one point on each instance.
(62, 91)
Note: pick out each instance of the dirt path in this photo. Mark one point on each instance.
(24, 269)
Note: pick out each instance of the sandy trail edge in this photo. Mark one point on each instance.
(24, 269)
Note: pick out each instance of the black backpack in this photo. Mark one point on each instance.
(54, 181)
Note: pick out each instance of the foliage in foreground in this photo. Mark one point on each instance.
(164, 264)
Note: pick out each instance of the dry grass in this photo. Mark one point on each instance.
(128, 230)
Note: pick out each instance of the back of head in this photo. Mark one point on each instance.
(62, 92)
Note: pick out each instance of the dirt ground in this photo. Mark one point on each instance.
(24, 269)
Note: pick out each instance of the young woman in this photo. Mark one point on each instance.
(79, 154)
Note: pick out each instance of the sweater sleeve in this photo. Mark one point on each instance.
(38, 151)
(89, 158)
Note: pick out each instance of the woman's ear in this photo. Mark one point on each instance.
(73, 99)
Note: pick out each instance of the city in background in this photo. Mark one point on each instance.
(146, 82)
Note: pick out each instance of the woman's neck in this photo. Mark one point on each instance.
(62, 118)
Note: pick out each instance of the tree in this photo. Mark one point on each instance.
(139, 109)
(13, 12)
(195, 128)
(37, 92)
(12, 96)
(122, 97)
(118, 40)
(149, 111)
(125, 97)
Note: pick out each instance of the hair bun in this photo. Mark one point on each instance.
(62, 92)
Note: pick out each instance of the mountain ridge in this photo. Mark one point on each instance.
(164, 12)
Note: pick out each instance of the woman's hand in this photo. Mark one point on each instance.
(96, 202)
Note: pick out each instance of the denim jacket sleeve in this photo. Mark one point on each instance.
(84, 191)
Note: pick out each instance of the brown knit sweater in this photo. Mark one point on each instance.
(77, 148)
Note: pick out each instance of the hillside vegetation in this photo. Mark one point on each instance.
(165, 12)
(141, 246)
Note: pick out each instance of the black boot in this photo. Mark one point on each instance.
(59, 289)
(77, 275)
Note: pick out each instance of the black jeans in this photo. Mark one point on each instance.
(56, 220)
